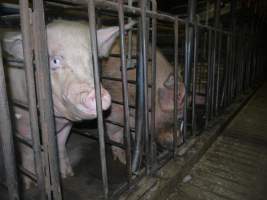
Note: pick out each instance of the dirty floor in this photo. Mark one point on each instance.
(235, 166)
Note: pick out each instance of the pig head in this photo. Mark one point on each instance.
(72, 80)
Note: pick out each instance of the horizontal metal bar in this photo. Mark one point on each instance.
(120, 80)
(118, 124)
(95, 137)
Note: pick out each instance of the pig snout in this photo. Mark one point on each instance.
(81, 100)
(89, 99)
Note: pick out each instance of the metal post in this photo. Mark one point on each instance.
(139, 116)
(6, 137)
(130, 34)
(154, 85)
(30, 82)
(194, 79)
(125, 92)
(216, 56)
(176, 86)
(141, 93)
(188, 57)
(45, 101)
(208, 89)
(93, 38)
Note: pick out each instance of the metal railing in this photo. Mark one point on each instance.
(231, 65)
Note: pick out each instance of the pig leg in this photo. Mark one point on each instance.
(64, 162)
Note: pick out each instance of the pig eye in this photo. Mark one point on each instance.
(169, 83)
(55, 62)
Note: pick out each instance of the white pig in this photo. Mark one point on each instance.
(71, 72)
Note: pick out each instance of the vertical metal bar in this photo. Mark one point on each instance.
(45, 99)
(130, 33)
(30, 82)
(6, 137)
(144, 51)
(189, 54)
(208, 95)
(176, 86)
(186, 83)
(218, 74)
(125, 92)
(93, 38)
(139, 117)
(154, 85)
(194, 80)
(216, 56)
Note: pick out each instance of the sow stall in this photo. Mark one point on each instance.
(213, 69)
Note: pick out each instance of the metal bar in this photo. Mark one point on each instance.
(118, 124)
(7, 138)
(32, 101)
(127, 136)
(24, 140)
(139, 117)
(153, 132)
(45, 102)
(186, 82)
(194, 80)
(188, 57)
(176, 86)
(120, 80)
(218, 75)
(93, 136)
(216, 56)
(130, 34)
(145, 83)
(93, 38)
(28, 173)
(208, 97)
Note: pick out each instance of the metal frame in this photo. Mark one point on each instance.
(222, 86)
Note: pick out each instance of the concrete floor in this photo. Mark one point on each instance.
(235, 166)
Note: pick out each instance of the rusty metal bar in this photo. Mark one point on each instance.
(127, 136)
(45, 102)
(93, 38)
(6, 136)
(32, 101)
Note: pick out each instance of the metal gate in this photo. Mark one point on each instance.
(217, 65)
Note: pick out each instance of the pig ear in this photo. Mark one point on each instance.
(106, 38)
(169, 83)
(12, 45)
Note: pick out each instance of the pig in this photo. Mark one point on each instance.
(164, 98)
(72, 81)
